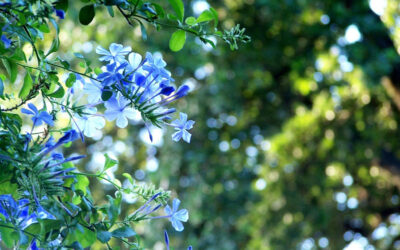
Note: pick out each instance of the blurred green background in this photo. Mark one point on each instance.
(296, 142)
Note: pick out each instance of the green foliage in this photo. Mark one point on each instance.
(177, 40)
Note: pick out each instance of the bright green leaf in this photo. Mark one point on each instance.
(177, 40)
(82, 183)
(109, 162)
(205, 16)
(190, 21)
(70, 80)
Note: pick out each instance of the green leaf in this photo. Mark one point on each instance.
(143, 31)
(82, 183)
(19, 55)
(177, 5)
(8, 236)
(62, 5)
(123, 232)
(11, 69)
(109, 162)
(190, 21)
(26, 87)
(86, 14)
(114, 208)
(159, 10)
(44, 28)
(70, 80)
(97, 71)
(129, 177)
(106, 94)
(104, 236)
(59, 93)
(177, 40)
(54, 46)
(215, 14)
(206, 16)
(110, 11)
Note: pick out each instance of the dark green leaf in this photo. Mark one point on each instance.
(62, 5)
(86, 14)
(59, 93)
(215, 14)
(143, 31)
(105, 95)
(177, 5)
(110, 11)
(26, 87)
(159, 10)
(104, 236)
(123, 232)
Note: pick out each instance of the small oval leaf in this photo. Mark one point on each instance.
(86, 14)
(177, 40)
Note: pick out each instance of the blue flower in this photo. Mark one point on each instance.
(6, 41)
(89, 123)
(117, 53)
(182, 125)
(69, 136)
(18, 212)
(38, 117)
(155, 65)
(135, 60)
(94, 90)
(60, 13)
(118, 109)
(112, 75)
(176, 216)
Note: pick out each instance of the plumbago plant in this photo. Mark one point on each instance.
(45, 201)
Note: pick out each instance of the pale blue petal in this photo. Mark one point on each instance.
(189, 124)
(175, 204)
(115, 48)
(177, 225)
(102, 51)
(122, 122)
(186, 136)
(168, 210)
(182, 215)
(177, 136)
(111, 115)
(183, 118)
(134, 60)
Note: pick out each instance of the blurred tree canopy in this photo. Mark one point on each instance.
(296, 141)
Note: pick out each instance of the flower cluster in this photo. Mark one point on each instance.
(128, 86)
(17, 213)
